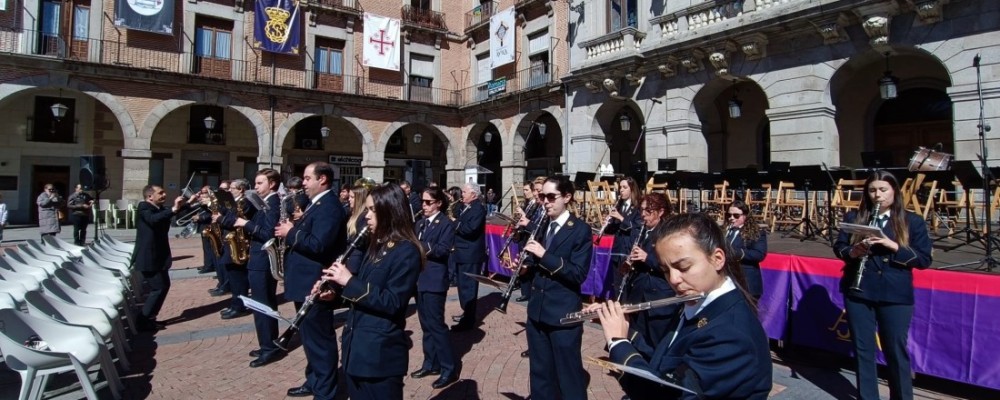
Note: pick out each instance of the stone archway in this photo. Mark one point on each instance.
(437, 137)
(622, 124)
(488, 154)
(165, 107)
(740, 142)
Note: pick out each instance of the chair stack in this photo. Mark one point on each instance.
(65, 308)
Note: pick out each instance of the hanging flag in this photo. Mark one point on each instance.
(276, 26)
(502, 37)
(155, 16)
(381, 41)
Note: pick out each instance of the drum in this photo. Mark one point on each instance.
(925, 159)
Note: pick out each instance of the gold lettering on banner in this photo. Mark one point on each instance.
(276, 29)
(840, 327)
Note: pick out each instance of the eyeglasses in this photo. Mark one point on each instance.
(550, 197)
(734, 215)
(650, 210)
(428, 202)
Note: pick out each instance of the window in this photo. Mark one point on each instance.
(198, 133)
(329, 57)
(621, 14)
(212, 42)
(51, 11)
(45, 127)
(421, 77)
(538, 74)
(81, 22)
(421, 4)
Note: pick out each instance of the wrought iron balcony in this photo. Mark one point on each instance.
(480, 15)
(345, 6)
(421, 18)
(520, 81)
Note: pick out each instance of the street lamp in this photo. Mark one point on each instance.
(626, 122)
(324, 132)
(209, 123)
(888, 84)
(735, 105)
(488, 137)
(417, 138)
(541, 129)
(59, 111)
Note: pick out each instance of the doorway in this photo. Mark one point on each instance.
(57, 175)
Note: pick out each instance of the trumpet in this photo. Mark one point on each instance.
(286, 337)
(581, 316)
(856, 285)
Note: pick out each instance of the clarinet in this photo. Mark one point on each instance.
(509, 289)
(607, 222)
(286, 337)
(628, 274)
(856, 286)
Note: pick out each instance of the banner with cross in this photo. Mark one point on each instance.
(381, 42)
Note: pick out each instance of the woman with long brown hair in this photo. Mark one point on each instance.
(644, 280)
(748, 243)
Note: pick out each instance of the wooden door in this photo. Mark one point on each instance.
(41, 175)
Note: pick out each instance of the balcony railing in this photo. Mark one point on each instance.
(480, 15)
(249, 67)
(349, 6)
(422, 18)
(519, 81)
(627, 40)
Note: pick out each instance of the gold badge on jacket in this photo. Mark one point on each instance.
(569, 224)
(702, 322)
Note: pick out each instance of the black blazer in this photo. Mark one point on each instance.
(555, 287)
(313, 244)
(648, 281)
(228, 217)
(152, 245)
(720, 353)
(625, 230)
(374, 341)
(751, 254)
(888, 276)
(470, 234)
(260, 229)
(437, 241)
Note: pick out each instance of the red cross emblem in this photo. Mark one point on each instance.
(380, 41)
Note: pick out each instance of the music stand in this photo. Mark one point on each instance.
(968, 175)
(876, 160)
(741, 178)
(811, 177)
(581, 178)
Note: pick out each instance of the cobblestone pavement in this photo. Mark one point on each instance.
(200, 356)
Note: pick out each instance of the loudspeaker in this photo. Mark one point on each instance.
(92, 173)
(666, 164)
(640, 172)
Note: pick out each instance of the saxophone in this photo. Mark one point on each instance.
(238, 241)
(213, 231)
(275, 247)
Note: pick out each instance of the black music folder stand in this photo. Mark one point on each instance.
(811, 177)
(876, 160)
(968, 175)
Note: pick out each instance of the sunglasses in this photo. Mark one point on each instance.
(550, 197)
(734, 215)
(428, 202)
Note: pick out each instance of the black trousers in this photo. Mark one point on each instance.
(80, 222)
(239, 283)
(263, 289)
(159, 285)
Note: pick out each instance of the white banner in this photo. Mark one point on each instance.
(502, 37)
(381, 41)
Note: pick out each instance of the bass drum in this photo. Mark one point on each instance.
(925, 159)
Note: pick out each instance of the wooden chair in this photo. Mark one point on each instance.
(788, 210)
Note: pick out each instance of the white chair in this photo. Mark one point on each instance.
(42, 248)
(118, 244)
(44, 306)
(102, 213)
(6, 301)
(124, 210)
(69, 348)
(12, 270)
(29, 252)
(27, 282)
(69, 295)
(14, 290)
(57, 242)
(22, 263)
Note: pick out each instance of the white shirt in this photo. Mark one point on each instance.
(561, 220)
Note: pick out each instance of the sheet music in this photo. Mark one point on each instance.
(861, 230)
(644, 375)
(261, 308)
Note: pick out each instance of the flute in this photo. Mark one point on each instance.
(581, 316)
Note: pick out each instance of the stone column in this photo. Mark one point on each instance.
(135, 175)
(805, 134)
(686, 143)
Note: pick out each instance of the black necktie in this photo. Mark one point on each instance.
(423, 228)
(732, 234)
(550, 233)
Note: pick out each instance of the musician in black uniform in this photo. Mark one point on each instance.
(375, 343)
(749, 244)
(222, 278)
(313, 243)
(455, 198)
(263, 286)
(201, 221)
(626, 218)
(357, 222)
(437, 235)
(412, 198)
(300, 201)
(716, 346)
(239, 282)
(886, 295)
(470, 252)
(560, 263)
(646, 281)
(531, 211)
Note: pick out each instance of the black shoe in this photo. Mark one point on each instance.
(226, 310)
(462, 327)
(262, 360)
(235, 314)
(524, 354)
(206, 270)
(522, 299)
(255, 353)
(217, 292)
(420, 373)
(444, 381)
(300, 391)
(148, 325)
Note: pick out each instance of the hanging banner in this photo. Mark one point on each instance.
(155, 16)
(502, 38)
(381, 42)
(276, 26)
